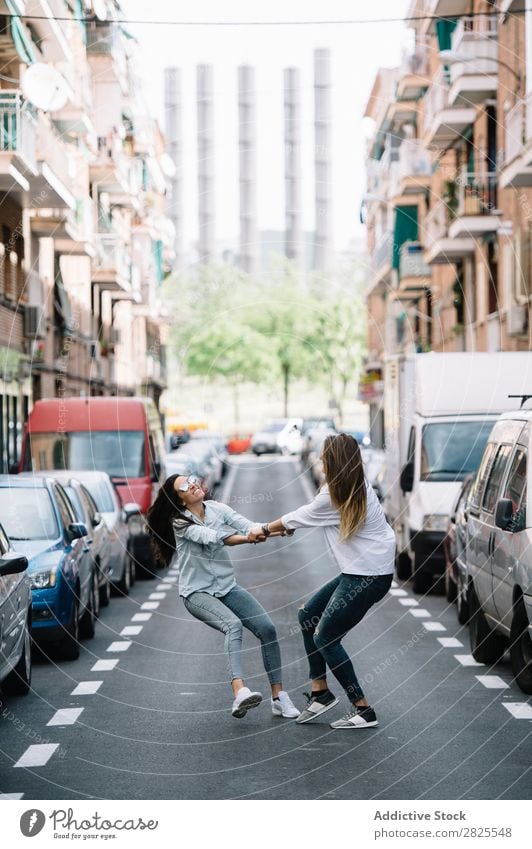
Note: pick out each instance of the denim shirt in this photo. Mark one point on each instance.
(202, 558)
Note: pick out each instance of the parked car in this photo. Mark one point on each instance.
(15, 620)
(219, 445)
(41, 525)
(237, 444)
(188, 462)
(499, 549)
(278, 437)
(310, 428)
(117, 435)
(454, 546)
(97, 533)
(123, 524)
(374, 460)
(314, 461)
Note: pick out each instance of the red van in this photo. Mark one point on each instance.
(118, 435)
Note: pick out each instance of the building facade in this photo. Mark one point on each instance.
(84, 239)
(448, 207)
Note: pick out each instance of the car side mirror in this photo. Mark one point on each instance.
(12, 564)
(504, 512)
(407, 477)
(96, 519)
(77, 530)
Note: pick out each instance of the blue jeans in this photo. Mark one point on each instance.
(229, 614)
(327, 617)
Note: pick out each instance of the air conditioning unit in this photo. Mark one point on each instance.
(517, 320)
(34, 328)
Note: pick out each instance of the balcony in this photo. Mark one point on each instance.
(440, 247)
(474, 70)
(414, 273)
(506, 6)
(476, 213)
(381, 260)
(414, 72)
(517, 166)
(414, 168)
(444, 123)
(57, 181)
(447, 8)
(18, 139)
(112, 266)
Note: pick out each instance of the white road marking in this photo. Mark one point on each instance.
(492, 682)
(398, 592)
(141, 617)
(450, 642)
(519, 710)
(467, 660)
(394, 585)
(187, 694)
(6, 796)
(104, 665)
(154, 596)
(164, 587)
(66, 716)
(86, 688)
(408, 602)
(37, 755)
(149, 605)
(420, 614)
(434, 626)
(170, 580)
(122, 646)
(131, 630)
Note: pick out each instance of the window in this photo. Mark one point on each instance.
(482, 474)
(496, 475)
(452, 450)
(119, 453)
(515, 489)
(66, 511)
(88, 503)
(28, 513)
(411, 445)
(75, 502)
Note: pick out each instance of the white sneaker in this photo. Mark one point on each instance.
(284, 706)
(245, 700)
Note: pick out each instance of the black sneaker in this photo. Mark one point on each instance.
(358, 717)
(316, 705)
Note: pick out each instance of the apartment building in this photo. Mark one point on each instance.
(84, 240)
(448, 206)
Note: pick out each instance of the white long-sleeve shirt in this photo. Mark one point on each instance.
(371, 551)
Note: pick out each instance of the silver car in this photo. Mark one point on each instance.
(15, 620)
(499, 548)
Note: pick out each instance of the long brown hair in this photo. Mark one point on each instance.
(344, 472)
(166, 507)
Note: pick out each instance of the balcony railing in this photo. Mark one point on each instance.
(414, 159)
(18, 128)
(53, 152)
(382, 252)
(416, 62)
(81, 219)
(518, 128)
(436, 223)
(112, 256)
(12, 277)
(477, 193)
(101, 37)
(437, 97)
(411, 261)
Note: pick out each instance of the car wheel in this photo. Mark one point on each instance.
(104, 593)
(421, 579)
(18, 682)
(521, 648)
(403, 566)
(124, 584)
(450, 588)
(486, 645)
(462, 607)
(87, 626)
(69, 646)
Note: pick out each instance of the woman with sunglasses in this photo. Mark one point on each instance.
(181, 522)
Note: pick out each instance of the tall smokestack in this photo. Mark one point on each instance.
(322, 162)
(247, 168)
(174, 139)
(205, 107)
(292, 163)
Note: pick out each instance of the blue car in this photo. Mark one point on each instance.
(40, 523)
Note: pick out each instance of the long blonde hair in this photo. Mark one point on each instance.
(344, 472)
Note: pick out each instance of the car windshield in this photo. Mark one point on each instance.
(100, 492)
(28, 513)
(273, 427)
(452, 450)
(119, 453)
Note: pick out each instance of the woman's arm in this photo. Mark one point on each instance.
(318, 513)
(236, 521)
(240, 539)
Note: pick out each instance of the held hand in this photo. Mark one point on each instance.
(256, 534)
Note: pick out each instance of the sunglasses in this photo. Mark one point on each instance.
(192, 480)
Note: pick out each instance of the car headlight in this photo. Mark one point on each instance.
(136, 526)
(435, 522)
(43, 579)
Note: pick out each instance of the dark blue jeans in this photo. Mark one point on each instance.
(327, 617)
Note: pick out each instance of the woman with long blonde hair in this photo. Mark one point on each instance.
(363, 545)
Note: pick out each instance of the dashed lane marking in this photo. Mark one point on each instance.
(394, 584)
(131, 630)
(398, 592)
(434, 626)
(164, 587)
(86, 688)
(171, 579)
(420, 614)
(4, 797)
(104, 665)
(408, 602)
(450, 642)
(37, 754)
(467, 660)
(149, 605)
(519, 710)
(66, 716)
(141, 617)
(122, 646)
(492, 682)
(156, 596)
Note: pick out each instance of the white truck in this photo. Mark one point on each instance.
(439, 409)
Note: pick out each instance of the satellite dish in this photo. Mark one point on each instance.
(100, 10)
(45, 87)
(167, 165)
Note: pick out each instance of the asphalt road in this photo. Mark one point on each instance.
(157, 724)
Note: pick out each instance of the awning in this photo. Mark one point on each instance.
(444, 30)
(79, 14)
(158, 260)
(21, 39)
(405, 230)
